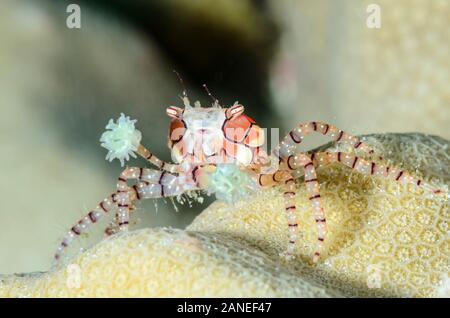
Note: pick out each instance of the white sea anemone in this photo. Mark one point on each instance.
(121, 139)
(230, 184)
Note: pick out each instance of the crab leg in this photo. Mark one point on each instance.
(150, 157)
(284, 178)
(290, 141)
(151, 184)
(272, 179)
(154, 184)
(291, 215)
(82, 225)
(288, 184)
(295, 162)
(289, 191)
(375, 169)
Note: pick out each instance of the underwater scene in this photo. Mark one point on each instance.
(226, 148)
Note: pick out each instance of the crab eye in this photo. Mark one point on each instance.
(174, 112)
(234, 111)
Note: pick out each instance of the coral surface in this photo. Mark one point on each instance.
(385, 239)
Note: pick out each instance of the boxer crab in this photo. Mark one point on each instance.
(220, 150)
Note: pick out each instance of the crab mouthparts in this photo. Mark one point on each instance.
(204, 131)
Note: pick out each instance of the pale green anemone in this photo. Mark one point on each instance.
(121, 139)
(230, 184)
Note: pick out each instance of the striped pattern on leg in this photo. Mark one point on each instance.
(289, 190)
(376, 169)
(272, 179)
(291, 215)
(313, 190)
(298, 161)
(295, 137)
(151, 184)
(123, 199)
(82, 225)
(162, 165)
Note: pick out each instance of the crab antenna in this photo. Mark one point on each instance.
(182, 83)
(215, 100)
(184, 94)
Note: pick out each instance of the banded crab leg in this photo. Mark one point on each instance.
(287, 181)
(83, 224)
(302, 161)
(375, 169)
(291, 215)
(92, 217)
(151, 158)
(294, 162)
(151, 184)
(295, 136)
(154, 184)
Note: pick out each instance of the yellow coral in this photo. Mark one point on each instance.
(165, 263)
(384, 239)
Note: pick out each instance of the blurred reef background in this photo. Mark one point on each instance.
(287, 61)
